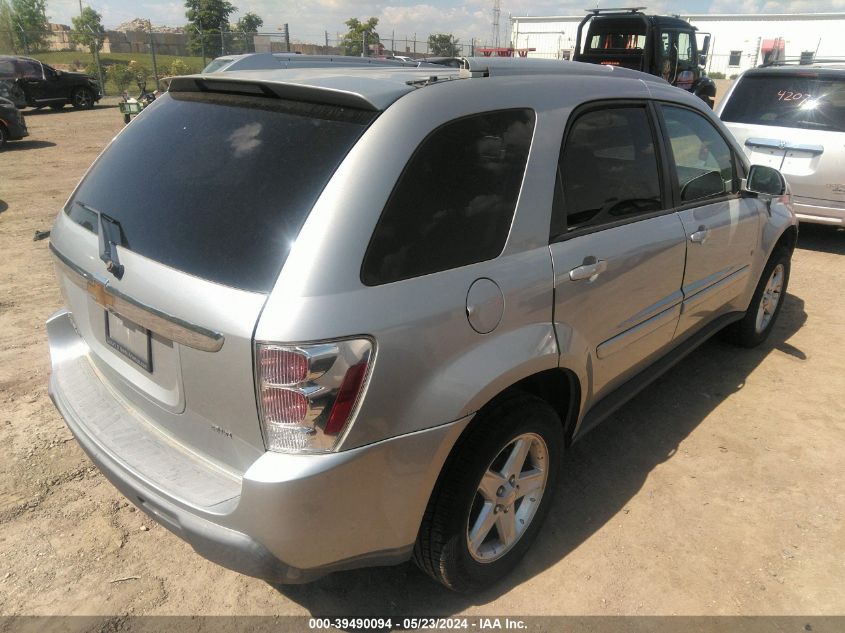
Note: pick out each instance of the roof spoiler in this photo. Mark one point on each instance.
(280, 90)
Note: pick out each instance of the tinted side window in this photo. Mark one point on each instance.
(454, 202)
(703, 160)
(609, 168)
(29, 70)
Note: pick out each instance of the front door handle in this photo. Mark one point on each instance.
(701, 235)
(588, 270)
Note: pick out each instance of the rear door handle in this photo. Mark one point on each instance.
(588, 271)
(701, 235)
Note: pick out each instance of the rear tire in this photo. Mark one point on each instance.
(3, 136)
(766, 304)
(492, 494)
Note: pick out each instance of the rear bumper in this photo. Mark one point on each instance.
(817, 212)
(288, 518)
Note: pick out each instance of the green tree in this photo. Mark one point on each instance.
(352, 40)
(7, 29)
(443, 44)
(249, 23)
(243, 31)
(208, 17)
(30, 24)
(88, 29)
(120, 75)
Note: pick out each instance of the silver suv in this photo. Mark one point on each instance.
(792, 118)
(311, 336)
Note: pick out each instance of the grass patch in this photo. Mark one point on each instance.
(85, 58)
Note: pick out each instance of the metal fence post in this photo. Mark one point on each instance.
(25, 43)
(96, 49)
(153, 51)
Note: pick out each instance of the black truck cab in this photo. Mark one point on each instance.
(666, 46)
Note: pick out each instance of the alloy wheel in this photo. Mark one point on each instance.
(507, 498)
(770, 299)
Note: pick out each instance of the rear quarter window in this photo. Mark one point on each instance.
(454, 202)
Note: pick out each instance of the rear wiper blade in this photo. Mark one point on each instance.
(109, 236)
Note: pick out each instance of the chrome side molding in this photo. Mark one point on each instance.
(166, 325)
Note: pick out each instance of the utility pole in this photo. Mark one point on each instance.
(222, 41)
(363, 44)
(497, 9)
(287, 37)
(327, 41)
(153, 51)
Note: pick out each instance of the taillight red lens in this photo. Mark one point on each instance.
(283, 406)
(346, 397)
(307, 392)
(282, 366)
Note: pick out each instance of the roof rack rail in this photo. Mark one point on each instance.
(616, 10)
(803, 61)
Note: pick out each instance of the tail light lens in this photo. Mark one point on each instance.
(308, 394)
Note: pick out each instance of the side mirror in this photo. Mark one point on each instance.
(765, 180)
(705, 46)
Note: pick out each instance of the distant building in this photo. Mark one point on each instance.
(738, 41)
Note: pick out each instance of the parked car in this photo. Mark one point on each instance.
(300, 364)
(12, 124)
(41, 85)
(792, 117)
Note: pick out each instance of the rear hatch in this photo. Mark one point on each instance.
(794, 121)
(195, 204)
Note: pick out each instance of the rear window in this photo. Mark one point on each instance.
(807, 101)
(218, 186)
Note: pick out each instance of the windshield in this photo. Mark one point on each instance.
(217, 64)
(804, 100)
(218, 186)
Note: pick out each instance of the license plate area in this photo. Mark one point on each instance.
(130, 339)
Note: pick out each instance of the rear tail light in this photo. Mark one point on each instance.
(308, 394)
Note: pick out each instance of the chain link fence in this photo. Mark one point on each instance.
(152, 55)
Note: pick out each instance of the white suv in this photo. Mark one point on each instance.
(792, 118)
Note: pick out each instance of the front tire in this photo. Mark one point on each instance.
(82, 99)
(3, 136)
(766, 304)
(492, 495)
(55, 107)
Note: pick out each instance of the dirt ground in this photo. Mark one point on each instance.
(719, 490)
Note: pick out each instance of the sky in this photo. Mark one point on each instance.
(309, 20)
